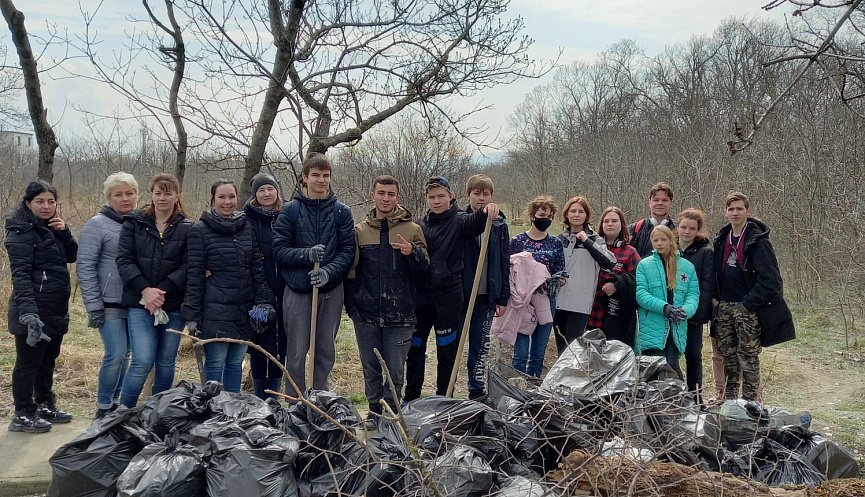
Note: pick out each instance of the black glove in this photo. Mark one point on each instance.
(316, 253)
(192, 328)
(97, 319)
(318, 277)
(34, 329)
(258, 327)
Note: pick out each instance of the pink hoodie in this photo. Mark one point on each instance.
(526, 308)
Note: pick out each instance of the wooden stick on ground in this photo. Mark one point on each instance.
(482, 258)
(313, 324)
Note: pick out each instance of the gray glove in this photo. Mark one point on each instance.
(315, 254)
(262, 312)
(34, 329)
(674, 313)
(318, 277)
(192, 328)
(97, 319)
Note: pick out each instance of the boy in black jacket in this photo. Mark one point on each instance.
(748, 281)
(440, 293)
(494, 290)
(313, 227)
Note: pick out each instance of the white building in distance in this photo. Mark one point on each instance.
(17, 139)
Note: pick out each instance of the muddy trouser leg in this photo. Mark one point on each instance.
(748, 330)
(728, 344)
(718, 377)
(694, 356)
(415, 367)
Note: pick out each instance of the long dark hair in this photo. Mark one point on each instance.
(169, 183)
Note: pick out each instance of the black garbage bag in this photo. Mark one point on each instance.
(90, 464)
(779, 417)
(740, 422)
(460, 472)
(655, 368)
(427, 416)
(260, 462)
(768, 461)
(378, 473)
(241, 406)
(663, 415)
(320, 438)
(183, 407)
(832, 460)
(164, 468)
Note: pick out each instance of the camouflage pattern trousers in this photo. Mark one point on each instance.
(739, 341)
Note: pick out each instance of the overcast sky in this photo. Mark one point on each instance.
(580, 28)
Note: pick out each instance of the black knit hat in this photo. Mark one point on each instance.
(262, 179)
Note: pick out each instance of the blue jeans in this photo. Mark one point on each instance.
(529, 350)
(479, 343)
(151, 345)
(115, 362)
(223, 362)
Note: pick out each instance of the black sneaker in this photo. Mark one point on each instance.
(28, 422)
(50, 412)
(371, 421)
(477, 395)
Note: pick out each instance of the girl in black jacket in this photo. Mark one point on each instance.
(151, 259)
(39, 245)
(227, 292)
(261, 212)
(695, 247)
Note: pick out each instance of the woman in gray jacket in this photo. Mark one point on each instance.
(585, 255)
(102, 287)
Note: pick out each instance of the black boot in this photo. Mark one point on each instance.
(28, 422)
(49, 412)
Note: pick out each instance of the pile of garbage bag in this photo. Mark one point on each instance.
(598, 397)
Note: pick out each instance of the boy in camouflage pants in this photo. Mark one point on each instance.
(747, 279)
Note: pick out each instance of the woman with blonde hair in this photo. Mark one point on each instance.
(668, 293)
(102, 286)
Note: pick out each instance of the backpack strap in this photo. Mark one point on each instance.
(293, 211)
(639, 226)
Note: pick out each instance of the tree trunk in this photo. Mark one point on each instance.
(284, 40)
(45, 138)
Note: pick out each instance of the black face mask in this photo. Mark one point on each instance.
(542, 223)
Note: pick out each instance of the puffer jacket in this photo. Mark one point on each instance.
(315, 223)
(498, 262)
(220, 303)
(655, 329)
(96, 267)
(380, 285)
(583, 262)
(699, 253)
(446, 235)
(38, 256)
(146, 259)
(263, 222)
(527, 308)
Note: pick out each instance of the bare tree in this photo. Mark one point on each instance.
(345, 67)
(45, 138)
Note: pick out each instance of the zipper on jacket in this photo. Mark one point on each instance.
(105, 287)
(44, 278)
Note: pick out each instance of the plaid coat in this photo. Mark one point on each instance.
(627, 259)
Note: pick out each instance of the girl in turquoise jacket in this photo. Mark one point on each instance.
(668, 293)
